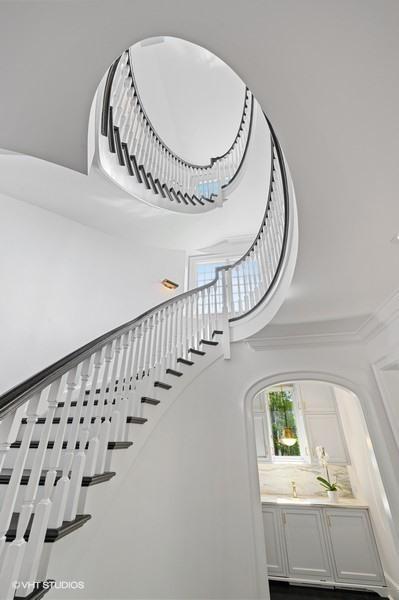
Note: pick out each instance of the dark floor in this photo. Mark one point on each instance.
(282, 591)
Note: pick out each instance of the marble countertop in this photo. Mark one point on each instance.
(311, 501)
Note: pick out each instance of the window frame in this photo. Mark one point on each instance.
(194, 260)
(304, 457)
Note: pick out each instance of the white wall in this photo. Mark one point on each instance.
(366, 479)
(188, 524)
(62, 284)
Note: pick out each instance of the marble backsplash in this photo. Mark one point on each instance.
(277, 478)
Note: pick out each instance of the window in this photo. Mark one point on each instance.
(207, 188)
(284, 438)
(202, 270)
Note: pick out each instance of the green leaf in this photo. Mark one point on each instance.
(329, 486)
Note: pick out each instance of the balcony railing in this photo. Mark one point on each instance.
(147, 158)
(91, 392)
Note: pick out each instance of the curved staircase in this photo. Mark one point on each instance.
(132, 154)
(61, 429)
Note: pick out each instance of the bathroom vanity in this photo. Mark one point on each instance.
(312, 541)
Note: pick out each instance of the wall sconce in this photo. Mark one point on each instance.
(170, 285)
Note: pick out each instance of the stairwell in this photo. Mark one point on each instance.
(70, 435)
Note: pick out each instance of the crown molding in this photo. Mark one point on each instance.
(350, 331)
(382, 318)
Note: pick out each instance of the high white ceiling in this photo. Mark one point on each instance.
(325, 72)
(193, 99)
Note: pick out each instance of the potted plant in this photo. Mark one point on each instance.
(331, 487)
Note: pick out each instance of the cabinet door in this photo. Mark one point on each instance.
(262, 449)
(325, 430)
(306, 544)
(316, 397)
(272, 525)
(353, 546)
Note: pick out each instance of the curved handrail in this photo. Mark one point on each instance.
(163, 143)
(242, 286)
(94, 392)
(138, 146)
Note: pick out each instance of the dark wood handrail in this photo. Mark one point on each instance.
(17, 395)
(166, 147)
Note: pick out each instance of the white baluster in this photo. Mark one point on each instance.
(11, 559)
(33, 548)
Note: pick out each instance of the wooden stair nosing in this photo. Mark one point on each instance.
(208, 342)
(174, 372)
(136, 168)
(35, 444)
(136, 420)
(144, 177)
(57, 420)
(87, 480)
(160, 188)
(118, 146)
(152, 184)
(197, 352)
(53, 534)
(162, 385)
(152, 401)
(185, 361)
(127, 159)
(217, 332)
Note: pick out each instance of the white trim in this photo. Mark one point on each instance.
(383, 591)
(373, 325)
(376, 435)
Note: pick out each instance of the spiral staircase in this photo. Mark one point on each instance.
(61, 429)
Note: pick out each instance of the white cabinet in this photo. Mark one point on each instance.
(324, 429)
(316, 397)
(306, 544)
(353, 546)
(272, 523)
(322, 544)
(260, 428)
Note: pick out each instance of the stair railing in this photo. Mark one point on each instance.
(91, 392)
(147, 158)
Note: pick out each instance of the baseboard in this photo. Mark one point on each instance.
(384, 592)
(393, 587)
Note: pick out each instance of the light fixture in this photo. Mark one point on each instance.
(288, 437)
(170, 285)
(395, 239)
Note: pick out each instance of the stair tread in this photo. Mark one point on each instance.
(174, 372)
(87, 480)
(162, 385)
(53, 533)
(74, 403)
(137, 420)
(185, 361)
(217, 332)
(198, 352)
(40, 590)
(147, 400)
(209, 342)
(35, 444)
(57, 420)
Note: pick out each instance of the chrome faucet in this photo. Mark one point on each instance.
(294, 494)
